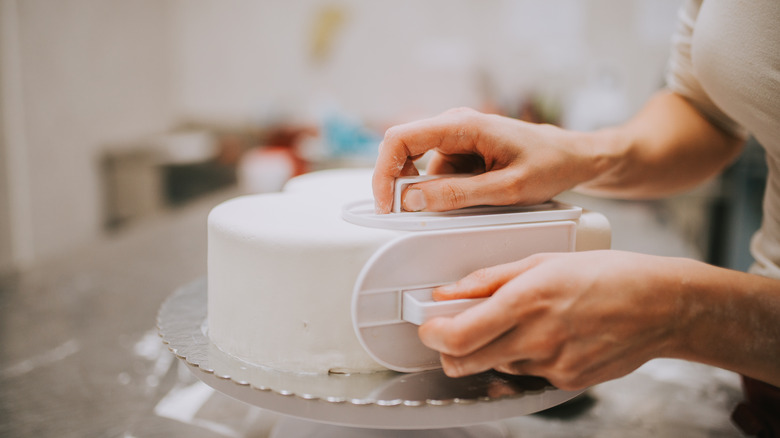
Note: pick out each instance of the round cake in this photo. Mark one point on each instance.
(281, 271)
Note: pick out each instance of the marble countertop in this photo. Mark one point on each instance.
(80, 355)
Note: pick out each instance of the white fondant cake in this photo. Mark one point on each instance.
(281, 271)
(282, 268)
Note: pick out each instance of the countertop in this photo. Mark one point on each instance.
(80, 355)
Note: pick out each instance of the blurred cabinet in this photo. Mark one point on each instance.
(132, 186)
(168, 170)
(736, 213)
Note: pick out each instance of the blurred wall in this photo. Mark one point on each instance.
(6, 255)
(13, 233)
(91, 72)
(405, 59)
(88, 73)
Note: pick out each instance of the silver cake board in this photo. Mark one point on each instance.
(384, 400)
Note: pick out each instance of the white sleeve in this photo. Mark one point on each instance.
(680, 76)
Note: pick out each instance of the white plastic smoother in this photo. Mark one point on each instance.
(362, 213)
(394, 275)
(393, 293)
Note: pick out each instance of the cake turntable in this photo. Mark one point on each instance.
(422, 404)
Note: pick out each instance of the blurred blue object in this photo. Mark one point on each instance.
(345, 137)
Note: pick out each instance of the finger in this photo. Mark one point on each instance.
(480, 283)
(489, 357)
(401, 144)
(442, 164)
(524, 367)
(438, 164)
(479, 325)
(468, 331)
(512, 353)
(564, 380)
(458, 367)
(389, 165)
(409, 168)
(516, 367)
(498, 187)
(413, 139)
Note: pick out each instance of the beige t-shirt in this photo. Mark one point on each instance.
(726, 62)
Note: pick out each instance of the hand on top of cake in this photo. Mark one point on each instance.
(530, 171)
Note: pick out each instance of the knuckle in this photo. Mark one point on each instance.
(514, 180)
(538, 257)
(393, 139)
(467, 119)
(461, 110)
(456, 343)
(566, 377)
(516, 367)
(516, 186)
(451, 367)
(564, 383)
(538, 346)
(454, 197)
(392, 132)
(481, 276)
(506, 369)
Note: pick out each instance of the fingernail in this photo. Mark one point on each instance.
(414, 200)
(441, 293)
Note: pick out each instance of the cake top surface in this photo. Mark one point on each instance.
(343, 184)
(291, 218)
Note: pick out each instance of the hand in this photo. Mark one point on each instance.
(576, 319)
(516, 162)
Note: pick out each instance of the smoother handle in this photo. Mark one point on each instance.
(419, 307)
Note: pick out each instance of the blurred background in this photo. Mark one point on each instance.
(113, 112)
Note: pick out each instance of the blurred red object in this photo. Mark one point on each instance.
(267, 169)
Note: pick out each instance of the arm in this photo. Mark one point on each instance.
(668, 147)
(665, 148)
(612, 312)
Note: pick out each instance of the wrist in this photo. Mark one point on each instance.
(691, 304)
(603, 152)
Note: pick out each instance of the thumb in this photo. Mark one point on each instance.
(444, 194)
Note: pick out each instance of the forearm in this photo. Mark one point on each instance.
(666, 148)
(728, 319)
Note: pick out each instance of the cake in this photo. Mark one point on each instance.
(282, 269)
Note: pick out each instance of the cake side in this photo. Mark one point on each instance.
(281, 271)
